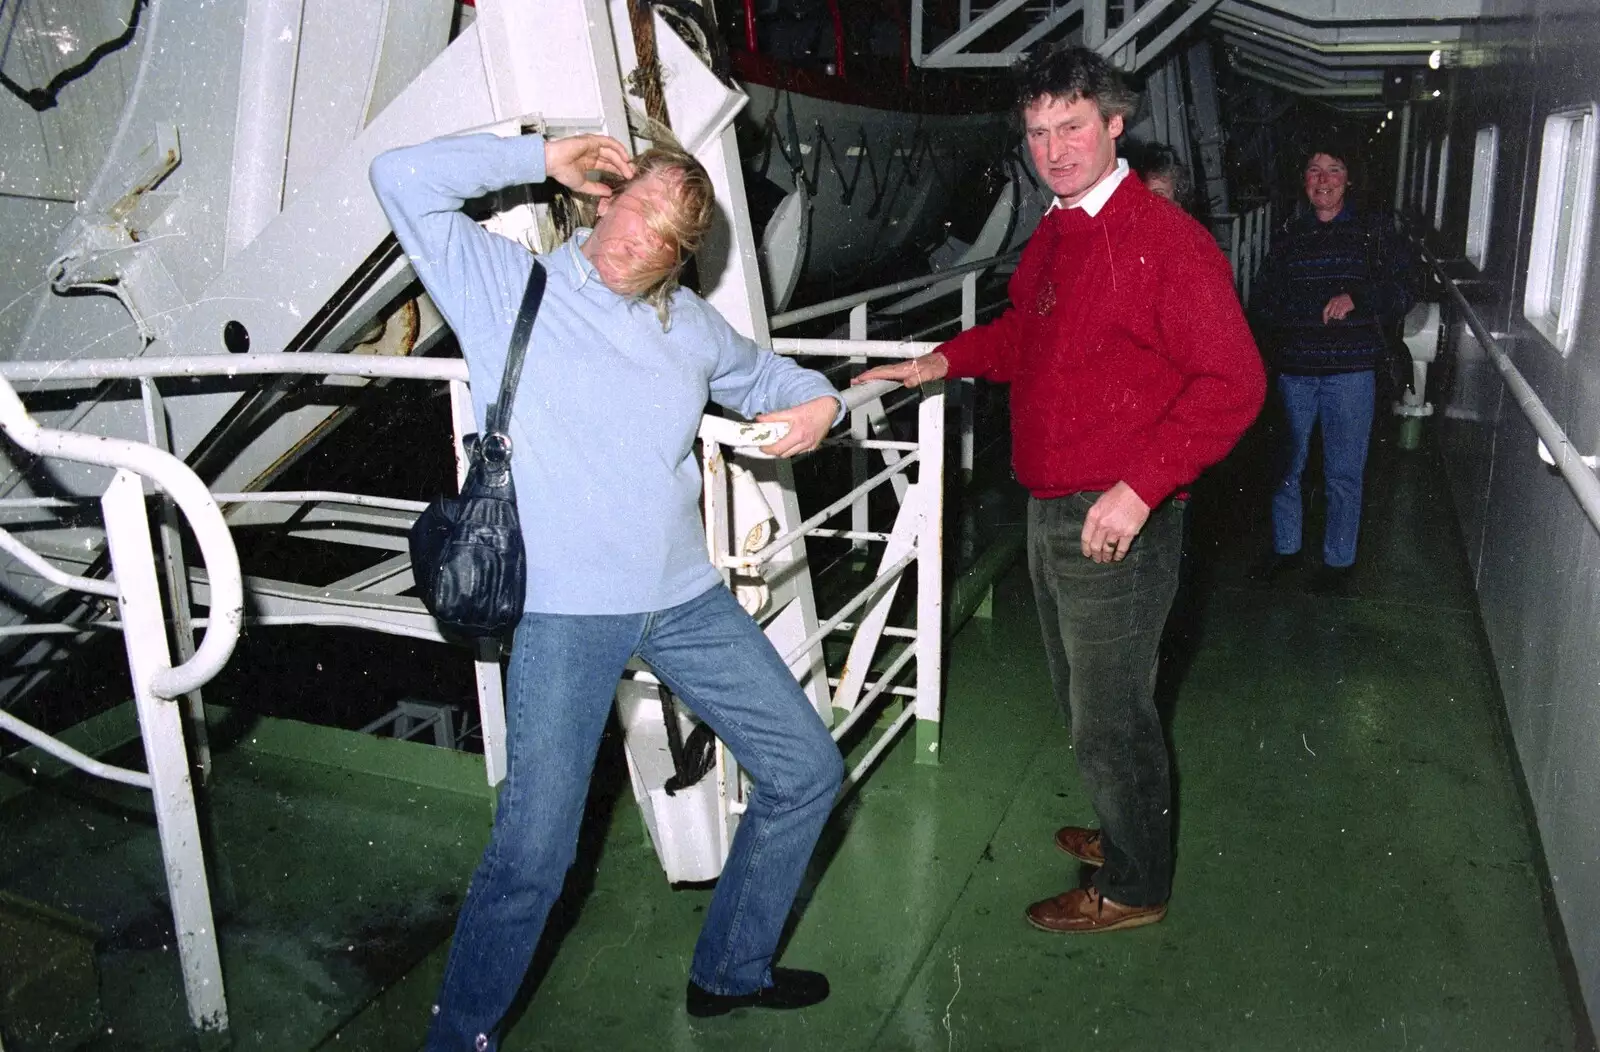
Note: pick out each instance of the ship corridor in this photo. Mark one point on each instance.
(1355, 864)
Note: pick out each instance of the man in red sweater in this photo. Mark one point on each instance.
(1131, 369)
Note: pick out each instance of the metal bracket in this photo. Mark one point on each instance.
(108, 253)
(1545, 455)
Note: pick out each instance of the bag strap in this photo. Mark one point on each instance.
(500, 409)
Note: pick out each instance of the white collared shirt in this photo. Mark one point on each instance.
(580, 262)
(1101, 192)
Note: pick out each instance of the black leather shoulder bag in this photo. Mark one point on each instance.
(467, 558)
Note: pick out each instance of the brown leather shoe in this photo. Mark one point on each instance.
(1086, 910)
(1082, 844)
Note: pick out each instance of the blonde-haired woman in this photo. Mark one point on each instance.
(620, 367)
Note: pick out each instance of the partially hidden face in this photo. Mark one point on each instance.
(1072, 147)
(1162, 186)
(1327, 179)
(625, 247)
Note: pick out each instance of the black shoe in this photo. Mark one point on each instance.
(791, 988)
(1275, 566)
(1332, 580)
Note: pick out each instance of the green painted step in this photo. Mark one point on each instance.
(49, 986)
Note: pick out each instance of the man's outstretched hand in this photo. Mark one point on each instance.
(914, 372)
(570, 160)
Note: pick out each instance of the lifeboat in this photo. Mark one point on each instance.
(857, 161)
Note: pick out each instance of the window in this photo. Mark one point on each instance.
(1561, 224)
(1480, 206)
(1438, 189)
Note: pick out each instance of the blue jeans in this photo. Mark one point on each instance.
(1343, 403)
(1102, 625)
(559, 688)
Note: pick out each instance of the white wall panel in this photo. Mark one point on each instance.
(1535, 554)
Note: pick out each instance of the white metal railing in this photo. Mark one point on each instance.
(917, 531)
(188, 492)
(156, 682)
(392, 615)
(213, 590)
(967, 271)
(962, 279)
(371, 366)
(48, 570)
(916, 535)
(914, 540)
(1554, 444)
(1249, 236)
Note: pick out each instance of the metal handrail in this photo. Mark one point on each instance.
(858, 395)
(202, 510)
(67, 754)
(798, 533)
(834, 306)
(226, 598)
(227, 607)
(886, 577)
(191, 497)
(44, 568)
(1249, 240)
(1585, 486)
(372, 366)
(736, 433)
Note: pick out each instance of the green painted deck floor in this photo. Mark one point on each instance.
(1354, 871)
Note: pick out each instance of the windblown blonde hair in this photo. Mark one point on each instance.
(682, 225)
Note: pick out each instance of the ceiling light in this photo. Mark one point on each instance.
(1389, 116)
(1435, 58)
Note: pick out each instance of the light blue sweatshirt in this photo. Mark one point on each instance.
(604, 421)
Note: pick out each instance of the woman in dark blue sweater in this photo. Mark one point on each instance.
(1332, 282)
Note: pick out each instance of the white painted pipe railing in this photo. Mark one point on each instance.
(67, 754)
(156, 682)
(44, 568)
(133, 563)
(225, 598)
(745, 436)
(765, 555)
(1249, 238)
(886, 577)
(1554, 441)
(915, 540)
(318, 496)
(844, 303)
(372, 366)
(191, 496)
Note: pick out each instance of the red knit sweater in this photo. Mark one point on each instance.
(1128, 357)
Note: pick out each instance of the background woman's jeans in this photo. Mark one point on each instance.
(1102, 626)
(559, 688)
(1343, 403)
